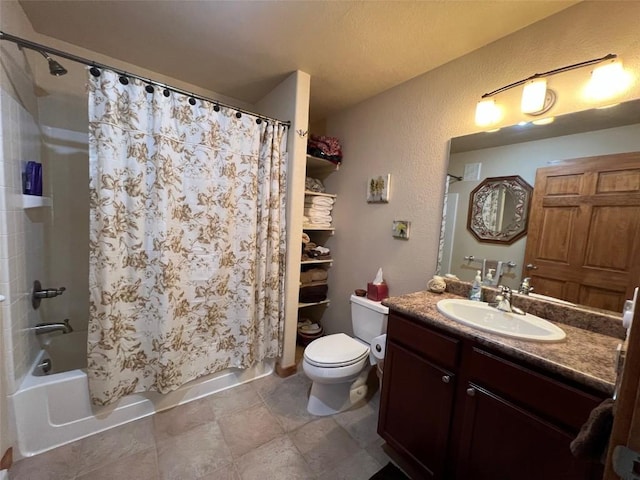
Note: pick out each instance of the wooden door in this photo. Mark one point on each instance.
(415, 419)
(503, 441)
(584, 230)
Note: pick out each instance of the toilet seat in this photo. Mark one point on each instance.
(334, 351)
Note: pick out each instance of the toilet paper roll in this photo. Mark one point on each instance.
(378, 346)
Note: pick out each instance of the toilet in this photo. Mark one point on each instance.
(339, 365)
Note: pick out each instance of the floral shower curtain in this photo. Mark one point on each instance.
(187, 238)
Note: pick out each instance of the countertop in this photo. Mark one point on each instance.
(584, 356)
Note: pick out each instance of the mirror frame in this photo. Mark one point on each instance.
(517, 228)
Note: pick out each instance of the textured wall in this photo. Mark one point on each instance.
(405, 131)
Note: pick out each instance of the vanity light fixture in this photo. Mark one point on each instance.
(487, 112)
(608, 80)
(537, 99)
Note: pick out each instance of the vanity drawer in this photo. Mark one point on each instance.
(547, 397)
(441, 349)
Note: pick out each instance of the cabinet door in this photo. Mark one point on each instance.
(415, 420)
(503, 442)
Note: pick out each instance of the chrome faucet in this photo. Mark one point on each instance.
(525, 286)
(503, 301)
(48, 292)
(63, 327)
(39, 293)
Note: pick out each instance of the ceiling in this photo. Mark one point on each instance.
(243, 49)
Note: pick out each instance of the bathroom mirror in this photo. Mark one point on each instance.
(520, 150)
(499, 209)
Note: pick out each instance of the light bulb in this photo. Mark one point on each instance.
(608, 80)
(487, 112)
(533, 96)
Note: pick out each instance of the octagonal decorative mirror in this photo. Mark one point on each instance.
(499, 209)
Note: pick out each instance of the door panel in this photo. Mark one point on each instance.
(555, 238)
(563, 185)
(415, 420)
(493, 447)
(616, 225)
(584, 230)
(618, 181)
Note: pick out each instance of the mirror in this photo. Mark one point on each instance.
(499, 209)
(520, 150)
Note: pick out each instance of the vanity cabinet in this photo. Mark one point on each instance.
(419, 395)
(452, 409)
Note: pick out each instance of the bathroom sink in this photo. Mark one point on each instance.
(489, 319)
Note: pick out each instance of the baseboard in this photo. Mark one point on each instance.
(286, 371)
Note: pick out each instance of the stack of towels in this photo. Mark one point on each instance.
(317, 210)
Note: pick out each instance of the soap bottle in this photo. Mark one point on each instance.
(476, 288)
(488, 278)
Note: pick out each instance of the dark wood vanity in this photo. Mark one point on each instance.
(455, 405)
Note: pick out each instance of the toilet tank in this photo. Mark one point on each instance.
(368, 318)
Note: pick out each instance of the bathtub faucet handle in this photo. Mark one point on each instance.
(49, 292)
(39, 293)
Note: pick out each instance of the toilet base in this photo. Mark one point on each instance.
(331, 398)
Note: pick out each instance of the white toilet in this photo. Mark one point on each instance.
(339, 365)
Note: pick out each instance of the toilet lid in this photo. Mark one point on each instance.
(337, 350)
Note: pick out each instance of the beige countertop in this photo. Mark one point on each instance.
(584, 356)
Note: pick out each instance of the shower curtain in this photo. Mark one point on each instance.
(187, 238)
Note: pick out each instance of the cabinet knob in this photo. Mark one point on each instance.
(471, 392)
(446, 378)
(531, 266)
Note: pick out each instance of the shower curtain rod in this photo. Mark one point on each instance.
(69, 56)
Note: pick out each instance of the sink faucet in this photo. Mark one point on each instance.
(525, 286)
(503, 301)
(64, 327)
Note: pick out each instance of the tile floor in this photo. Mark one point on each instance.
(260, 430)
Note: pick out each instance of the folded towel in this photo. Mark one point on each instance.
(320, 220)
(591, 441)
(316, 293)
(315, 200)
(305, 238)
(315, 211)
(313, 185)
(319, 223)
(313, 275)
(316, 214)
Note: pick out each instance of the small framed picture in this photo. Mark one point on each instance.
(401, 229)
(378, 189)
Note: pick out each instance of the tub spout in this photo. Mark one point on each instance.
(64, 327)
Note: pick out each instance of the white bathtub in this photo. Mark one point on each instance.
(52, 410)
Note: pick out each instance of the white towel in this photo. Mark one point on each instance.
(318, 206)
(312, 212)
(315, 200)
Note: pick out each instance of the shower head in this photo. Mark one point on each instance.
(54, 67)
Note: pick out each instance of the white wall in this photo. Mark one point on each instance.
(405, 131)
(290, 101)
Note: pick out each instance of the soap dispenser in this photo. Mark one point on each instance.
(476, 288)
(488, 278)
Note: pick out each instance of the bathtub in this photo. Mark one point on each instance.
(51, 410)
